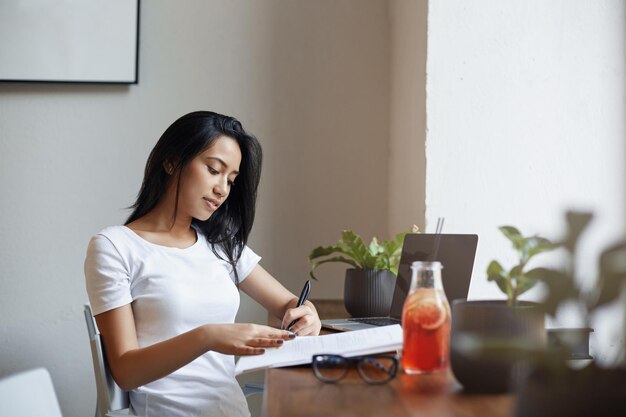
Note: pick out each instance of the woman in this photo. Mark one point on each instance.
(164, 287)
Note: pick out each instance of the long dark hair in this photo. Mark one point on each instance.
(229, 227)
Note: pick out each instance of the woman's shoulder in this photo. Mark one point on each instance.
(117, 236)
(113, 232)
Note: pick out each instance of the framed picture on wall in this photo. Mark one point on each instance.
(69, 41)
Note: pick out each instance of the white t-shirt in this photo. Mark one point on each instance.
(171, 291)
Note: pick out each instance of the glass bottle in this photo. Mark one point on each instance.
(426, 321)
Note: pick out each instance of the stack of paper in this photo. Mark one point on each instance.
(301, 349)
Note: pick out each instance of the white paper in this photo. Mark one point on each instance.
(301, 349)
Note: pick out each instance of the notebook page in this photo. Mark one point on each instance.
(301, 349)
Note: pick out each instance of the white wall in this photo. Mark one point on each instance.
(310, 79)
(525, 120)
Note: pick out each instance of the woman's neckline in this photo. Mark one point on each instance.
(137, 236)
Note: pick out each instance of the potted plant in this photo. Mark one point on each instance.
(369, 284)
(518, 279)
(555, 388)
(497, 322)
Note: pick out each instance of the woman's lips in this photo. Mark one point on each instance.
(212, 204)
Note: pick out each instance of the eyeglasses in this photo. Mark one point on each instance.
(374, 369)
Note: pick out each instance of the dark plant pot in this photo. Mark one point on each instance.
(590, 391)
(368, 292)
(492, 323)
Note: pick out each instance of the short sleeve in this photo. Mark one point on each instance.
(106, 276)
(246, 263)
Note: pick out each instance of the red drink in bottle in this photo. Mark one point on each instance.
(426, 321)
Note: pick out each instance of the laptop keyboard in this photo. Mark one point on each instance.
(376, 321)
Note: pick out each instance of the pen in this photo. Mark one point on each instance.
(303, 296)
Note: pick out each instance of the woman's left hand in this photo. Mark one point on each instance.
(307, 321)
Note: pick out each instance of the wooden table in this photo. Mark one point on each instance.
(296, 392)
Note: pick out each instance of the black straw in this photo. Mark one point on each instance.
(433, 254)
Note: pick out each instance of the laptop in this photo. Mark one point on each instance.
(456, 253)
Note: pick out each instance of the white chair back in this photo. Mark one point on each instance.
(29, 394)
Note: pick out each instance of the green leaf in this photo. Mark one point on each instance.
(381, 263)
(323, 251)
(357, 249)
(612, 277)
(536, 245)
(536, 273)
(334, 259)
(525, 283)
(495, 272)
(329, 250)
(374, 248)
(516, 271)
(392, 250)
(514, 236)
(517, 283)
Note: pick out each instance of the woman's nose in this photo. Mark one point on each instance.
(221, 188)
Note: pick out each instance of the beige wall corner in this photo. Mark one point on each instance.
(407, 121)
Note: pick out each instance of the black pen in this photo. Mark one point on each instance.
(303, 296)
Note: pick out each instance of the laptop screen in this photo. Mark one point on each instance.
(456, 254)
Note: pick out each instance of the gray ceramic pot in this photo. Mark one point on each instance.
(492, 322)
(368, 292)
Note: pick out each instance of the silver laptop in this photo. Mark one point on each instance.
(455, 252)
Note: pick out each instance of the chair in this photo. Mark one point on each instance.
(112, 400)
(29, 394)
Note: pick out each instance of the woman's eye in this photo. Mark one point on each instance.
(231, 183)
(212, 171)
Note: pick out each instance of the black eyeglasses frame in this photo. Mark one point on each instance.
(358, 362)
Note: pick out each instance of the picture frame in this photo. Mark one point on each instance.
(69, 41)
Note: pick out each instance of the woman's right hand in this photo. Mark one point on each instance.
(245, 338)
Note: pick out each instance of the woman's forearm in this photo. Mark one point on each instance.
(141, 366)
(138, 366)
